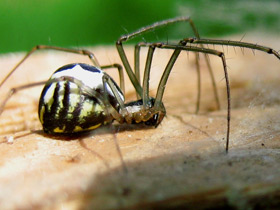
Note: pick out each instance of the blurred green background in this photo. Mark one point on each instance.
(25, 23)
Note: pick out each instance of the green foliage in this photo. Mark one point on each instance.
(27, 23)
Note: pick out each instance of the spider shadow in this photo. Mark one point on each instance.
(106, 129)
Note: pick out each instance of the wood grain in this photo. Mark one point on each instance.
(182, 163)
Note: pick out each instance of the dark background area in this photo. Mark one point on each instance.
(73, 23)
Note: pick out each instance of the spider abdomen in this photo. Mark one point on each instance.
(70, 104)
(68, 111)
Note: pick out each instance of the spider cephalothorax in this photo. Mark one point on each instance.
(137, 113)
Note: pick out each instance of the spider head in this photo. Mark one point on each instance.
(150, 116)
(156, 114)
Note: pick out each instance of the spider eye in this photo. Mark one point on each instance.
(153, 121)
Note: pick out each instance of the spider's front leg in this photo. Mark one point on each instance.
(134, 76)
(135, 112)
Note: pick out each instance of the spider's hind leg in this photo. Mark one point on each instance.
(34, 49)
(15, 118)
(46, 47)
(14, 90)
(121, 75)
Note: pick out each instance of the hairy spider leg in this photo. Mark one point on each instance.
(80, 52)
(41, 47)
(135, 77)
(91, 56)
(173, 58)
(234, 44)
(168, 68)
(121, 75)
(14, 90)
(149, 60)
(137, 73)
(107, 80)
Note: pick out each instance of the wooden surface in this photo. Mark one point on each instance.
(182, 163)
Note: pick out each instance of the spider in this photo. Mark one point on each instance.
(80, 97)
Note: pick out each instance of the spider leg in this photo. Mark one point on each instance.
(137, 73)
(234, 44)
(128, 68)
(107, 80)
(147, 73)
(146, 77)
(135, 77)
(137, 48)
(210, 70)
(169, 66)
(42, 47)
(14, 90)
(121, 75)
(199, 85)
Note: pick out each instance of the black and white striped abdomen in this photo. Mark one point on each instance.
(69, 102)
